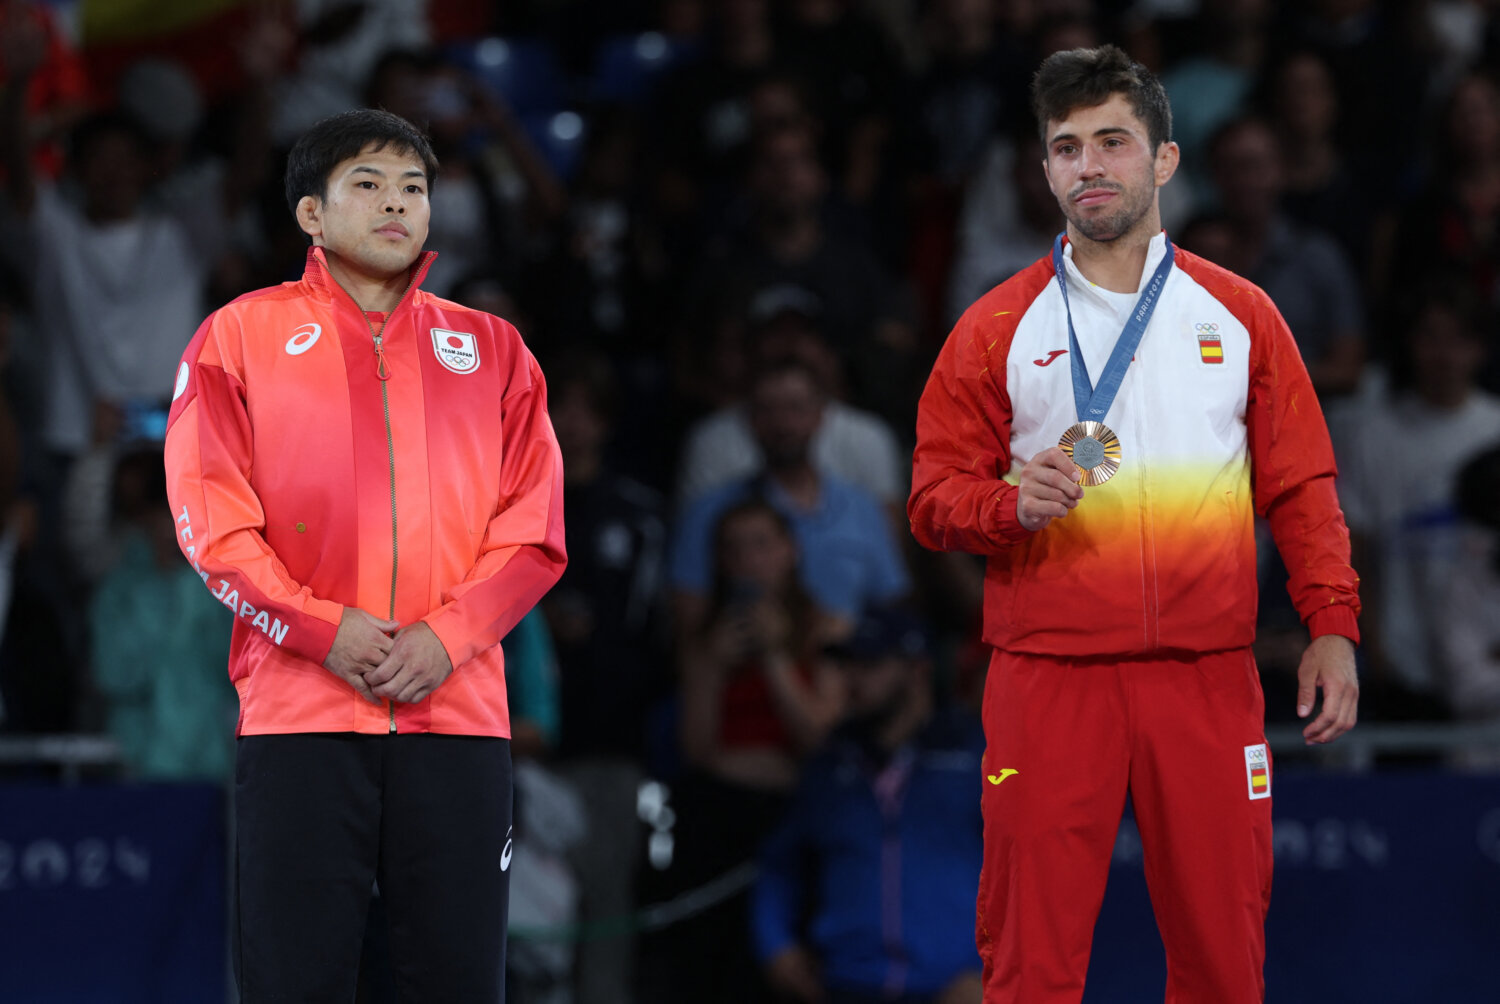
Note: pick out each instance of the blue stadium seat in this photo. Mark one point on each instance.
(559, 137)
(626, 67)
(524, 71)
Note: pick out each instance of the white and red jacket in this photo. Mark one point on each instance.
(312, 466)
(1217, 421)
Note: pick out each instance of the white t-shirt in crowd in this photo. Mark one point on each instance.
(1396, 485)
(853, 444)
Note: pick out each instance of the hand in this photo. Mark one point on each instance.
(415, 667)
(362, 644)
(793, 971)
(1328, 663)
(1049, 488)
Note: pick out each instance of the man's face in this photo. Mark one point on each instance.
(1247, 172)
(1101, 167)
(376, 213)
(785, 410)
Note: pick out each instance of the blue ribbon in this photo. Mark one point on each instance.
(1093, 402)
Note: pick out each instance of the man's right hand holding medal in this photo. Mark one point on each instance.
(1049, 488)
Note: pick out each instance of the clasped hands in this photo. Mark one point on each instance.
(381, 659)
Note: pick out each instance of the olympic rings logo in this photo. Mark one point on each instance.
(1206, 328)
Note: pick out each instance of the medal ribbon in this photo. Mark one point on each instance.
(1093, 402)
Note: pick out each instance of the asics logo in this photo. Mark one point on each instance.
(1004, 773)
(1050, 356)
(303, 338)
(505, 854)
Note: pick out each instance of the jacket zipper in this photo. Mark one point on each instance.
(383, 371)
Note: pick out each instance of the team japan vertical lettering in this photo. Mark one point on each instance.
(271, 627)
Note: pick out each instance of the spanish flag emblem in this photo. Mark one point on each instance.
(1210, 348)
(1260, 779)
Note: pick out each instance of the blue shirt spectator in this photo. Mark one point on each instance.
(849, 555)
(874, 868)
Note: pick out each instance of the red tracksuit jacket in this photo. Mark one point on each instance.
(304, 480)
(1217, 421)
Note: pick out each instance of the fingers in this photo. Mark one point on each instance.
(1340, 712)
(358, 683)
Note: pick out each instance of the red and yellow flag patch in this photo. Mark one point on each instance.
(1258, 770)
(1210, 347)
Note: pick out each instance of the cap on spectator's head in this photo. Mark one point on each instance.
(771, 303)
(881, 632)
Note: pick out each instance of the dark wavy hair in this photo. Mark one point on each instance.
(1086, 78)
(339, 137)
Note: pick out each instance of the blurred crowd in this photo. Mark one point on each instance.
(735, 233)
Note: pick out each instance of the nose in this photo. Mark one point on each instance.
(1091, 165)
(395, 204)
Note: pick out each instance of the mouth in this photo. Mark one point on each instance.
(1094, 196)
(393, 230)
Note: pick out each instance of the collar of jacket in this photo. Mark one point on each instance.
(321, 281)
(1077, 280)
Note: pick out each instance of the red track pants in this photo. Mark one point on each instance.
(1185, 738)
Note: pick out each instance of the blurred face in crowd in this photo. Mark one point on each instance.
(1307, 104)
(376, 213)
(756, 551)
(785, 410)
(114, 171)
(1472, 124)
(1247, 172)
(788, 180)
(1445, 357)
(1103, 171)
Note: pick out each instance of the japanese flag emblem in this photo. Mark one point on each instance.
(457, 350)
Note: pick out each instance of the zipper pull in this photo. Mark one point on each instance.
(382, 370)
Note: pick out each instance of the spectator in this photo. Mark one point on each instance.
(788, 242)
(1302, 270)
(1397, 491)
(117, 287)
(755, 699)
(1468, 630)
(167, 700)
(1320, 191)
(850, 443)
(899, 782)
(849, 555)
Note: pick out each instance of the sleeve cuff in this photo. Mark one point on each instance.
(1336, 618)
(1007, 521)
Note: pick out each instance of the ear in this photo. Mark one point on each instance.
(310, 216)
(1167, 157)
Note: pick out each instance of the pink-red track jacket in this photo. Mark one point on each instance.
(307, 473)
(1217, 420)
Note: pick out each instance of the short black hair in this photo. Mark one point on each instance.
(347, 134)
(1086, 78)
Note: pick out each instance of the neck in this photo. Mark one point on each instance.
(371, 292)
(799, 481)
(1115, 265)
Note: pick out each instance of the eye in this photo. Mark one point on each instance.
(414, 189)
(364, 184)
(1066, 150)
